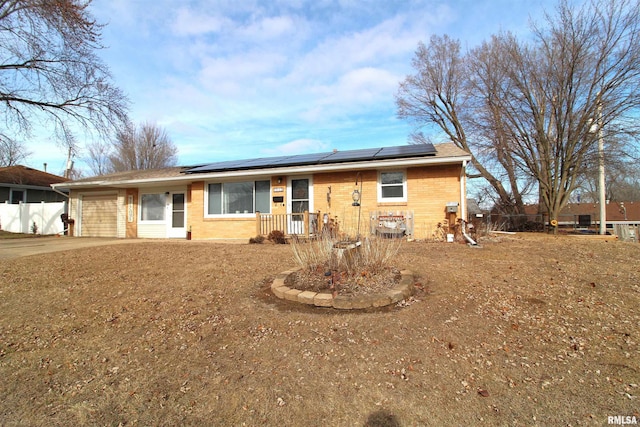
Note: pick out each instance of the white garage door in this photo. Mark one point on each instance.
(99, 216)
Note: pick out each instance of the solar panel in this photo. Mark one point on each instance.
(239, 164)
(406, 151)
(303, 159)
(231, 164)
(319, 158)
(265, 161)
(350, 155)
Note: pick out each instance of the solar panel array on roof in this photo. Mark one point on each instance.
(303, 159)
(320, 158)
(405, 151)
(352, 155)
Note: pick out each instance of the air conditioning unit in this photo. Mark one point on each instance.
(452, 207)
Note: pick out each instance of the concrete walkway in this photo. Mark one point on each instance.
(15, 248)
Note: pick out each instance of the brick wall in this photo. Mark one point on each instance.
(429, 189)
(214, 228)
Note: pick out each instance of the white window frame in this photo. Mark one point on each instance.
(404, 187)
(234, 215)
(152, 221)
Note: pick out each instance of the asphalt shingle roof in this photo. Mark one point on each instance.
(23, 175)
(445, 150)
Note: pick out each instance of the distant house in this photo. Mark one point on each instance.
(473, 210)
(584, 214)
(27, 185)
(404, 190)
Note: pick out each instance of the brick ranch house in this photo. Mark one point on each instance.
(404, 190)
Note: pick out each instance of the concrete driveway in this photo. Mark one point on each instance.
(14, 248)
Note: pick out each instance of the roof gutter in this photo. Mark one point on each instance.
(306, 169)
(70, 185)
(58, 191)
(26, 186)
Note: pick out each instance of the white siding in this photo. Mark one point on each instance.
(155, 229)
(152, 231)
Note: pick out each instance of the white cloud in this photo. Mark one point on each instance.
(241, 74)
(116, 12)
(179, 97)
(383, 44)
(230, 78)
(189, 22)
(353, 92)
(268, 29)
(365, 85)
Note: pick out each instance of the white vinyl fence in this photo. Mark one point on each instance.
(21, 218)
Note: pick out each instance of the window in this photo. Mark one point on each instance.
(392, 187)
(239, 197)
(18, 196)
(299, 195)
(152, 207)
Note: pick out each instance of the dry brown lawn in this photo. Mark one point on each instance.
(527, 330)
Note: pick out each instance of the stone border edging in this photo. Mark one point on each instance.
(402, 290)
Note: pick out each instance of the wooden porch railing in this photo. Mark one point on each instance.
(294, 224)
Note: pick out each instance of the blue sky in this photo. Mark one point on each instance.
(232, 79)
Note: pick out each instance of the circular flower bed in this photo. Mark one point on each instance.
(334, 290)
(342, 283)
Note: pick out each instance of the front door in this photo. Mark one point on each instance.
(177, 210)
(299, 200)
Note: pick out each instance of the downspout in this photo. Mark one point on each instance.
(463, 203)
(463, 191)
(66, 207)
(466, 236)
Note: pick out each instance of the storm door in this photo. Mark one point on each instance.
(299, 201)
(177, 216)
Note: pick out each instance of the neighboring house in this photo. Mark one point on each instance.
(27, 185)
(404, 190)
(588, 214)
(474, 212)
(585, 215)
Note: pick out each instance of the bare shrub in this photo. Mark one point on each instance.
(377, 254)
(372, 255)
(440, 233)
(256, 240)
(277, 236)
(313, 254)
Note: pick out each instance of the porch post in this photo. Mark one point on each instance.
(305, 222)
(258, 231)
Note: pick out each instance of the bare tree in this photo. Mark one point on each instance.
(144, 147)
(534, 105)
(441, 96)
(50, 74)
(622, 173)
(98, 157)
(583, 69)
(12, 152)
